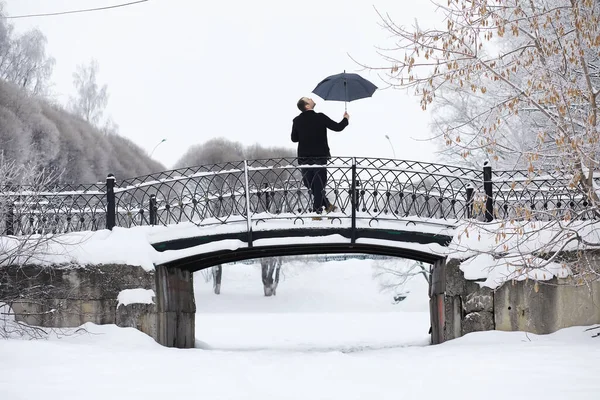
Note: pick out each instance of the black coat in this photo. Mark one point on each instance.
(309, 130)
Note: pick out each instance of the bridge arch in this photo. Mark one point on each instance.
(175, 287)
(202, 261)
(195, 253)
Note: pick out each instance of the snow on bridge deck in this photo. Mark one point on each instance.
(427, 236)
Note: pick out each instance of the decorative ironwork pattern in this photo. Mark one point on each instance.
(216, 194)
(67, 208)
(522, 195)
(253, 191)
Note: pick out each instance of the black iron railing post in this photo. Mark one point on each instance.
(247, 194)
(469, 201)
(153, 208)
(354, 201)
(111, 211)
(10, 210)
(267, 197)
(10, 218)
(489, 195)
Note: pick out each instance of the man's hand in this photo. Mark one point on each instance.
(347, 116)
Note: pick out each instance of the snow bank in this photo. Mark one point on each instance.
(492, 365)
(503, 251)
(495, 272)
(577, 335)
(135, 296)
(505, 237)
(119, 246)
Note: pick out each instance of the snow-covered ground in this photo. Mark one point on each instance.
(318, 307)
(328, 334)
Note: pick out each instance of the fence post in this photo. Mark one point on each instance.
(354, 202)
(10, 219)
(111, 212)
(469, 201)
(153, 216)
(267, 197)
(247, 190)
(489, 195)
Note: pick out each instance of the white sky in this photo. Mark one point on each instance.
(190, 70)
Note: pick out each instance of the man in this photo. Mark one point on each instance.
(309, 130)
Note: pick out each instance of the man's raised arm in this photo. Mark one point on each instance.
(336, 126)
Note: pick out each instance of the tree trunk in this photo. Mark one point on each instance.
(217, 272)
(270, 274)
(426, 274)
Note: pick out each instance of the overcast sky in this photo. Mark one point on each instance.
(190, 70)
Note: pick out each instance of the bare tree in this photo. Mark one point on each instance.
(392, 275)
(20, 188)
(23, 58)
(221, 150)
(91, 99)
(213, 151)
(532, 71)
(110, 127)
(544, 63)
(457, 109)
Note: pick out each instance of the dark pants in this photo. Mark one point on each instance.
(315, 179)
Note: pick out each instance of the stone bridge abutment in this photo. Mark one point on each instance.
(159, 303)
(106, 294)
(541, 307)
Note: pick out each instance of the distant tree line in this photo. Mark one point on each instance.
(220, 150)
(34, 130)
(78, 147)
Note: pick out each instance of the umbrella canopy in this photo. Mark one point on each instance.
(344, 87)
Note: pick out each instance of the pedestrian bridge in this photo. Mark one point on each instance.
(208, 215)
(260, 208)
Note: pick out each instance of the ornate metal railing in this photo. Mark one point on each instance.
(523, 195)
(27, 210)
(251, 191)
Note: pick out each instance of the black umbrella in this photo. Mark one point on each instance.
(344, 87)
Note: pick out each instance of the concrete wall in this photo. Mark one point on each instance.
(63, 297)
(557, 304)
(76, 294)
(515, 306)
